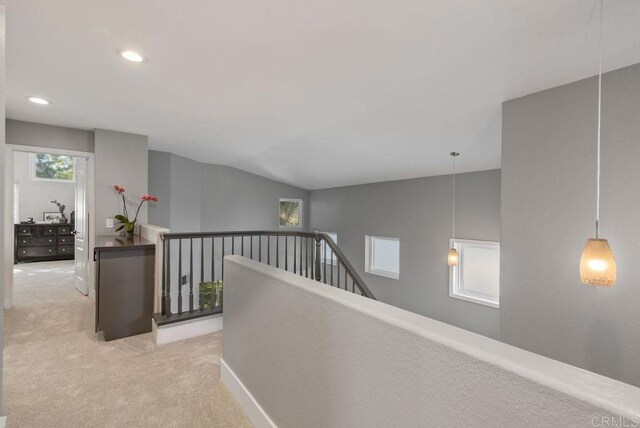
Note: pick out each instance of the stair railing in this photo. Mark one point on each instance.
(193, 268)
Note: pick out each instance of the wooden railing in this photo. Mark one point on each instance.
(193, 268)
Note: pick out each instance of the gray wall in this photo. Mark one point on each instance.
(187, 194)
(418, 212)
(159, 185)
(237, 200)
(120, 158)
(36, 196)
(54, 137)
(548, 200)
(211, 197)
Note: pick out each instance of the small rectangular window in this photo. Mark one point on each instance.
(477, 276)
(52, 167)
(326, 249)
(382, 256)
(290, 213)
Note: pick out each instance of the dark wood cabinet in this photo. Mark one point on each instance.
(125, 272)
(39, 242)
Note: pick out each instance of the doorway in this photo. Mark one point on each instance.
(47, 226)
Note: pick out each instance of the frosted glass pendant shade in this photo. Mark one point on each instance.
(453, 257)
(597, 265)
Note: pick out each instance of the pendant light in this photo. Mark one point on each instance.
(453, 258)
(597, 264)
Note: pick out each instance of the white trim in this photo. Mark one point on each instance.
(300, 213)
(8, 213)
(3, 421)
(247, 402)
(456, 285)
(186, 329)
(154, 234)
(369, 250)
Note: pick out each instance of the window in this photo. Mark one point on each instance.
(382, 256)
(290, 213)
(326, 249)
(477, 276)
(16, 201)
(50, 167)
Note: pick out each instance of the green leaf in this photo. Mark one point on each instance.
(121, 218)
(129, 227)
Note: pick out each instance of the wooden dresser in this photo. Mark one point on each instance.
(38, 242)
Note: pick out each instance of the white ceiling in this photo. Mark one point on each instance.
(316, 93)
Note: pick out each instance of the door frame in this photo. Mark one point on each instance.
(8, 210)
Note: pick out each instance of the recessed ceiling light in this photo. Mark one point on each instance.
(132, 56)
(39, 100)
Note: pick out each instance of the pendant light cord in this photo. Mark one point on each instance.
(453, 211)
(599, 119)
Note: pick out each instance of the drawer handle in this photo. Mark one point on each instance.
(50, 250)
(24, 252)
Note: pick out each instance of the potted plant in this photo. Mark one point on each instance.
(61, 207)
(126, 224)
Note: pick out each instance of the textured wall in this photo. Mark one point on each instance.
(36, 196)
(548, 209)
(121, 158)
(418, 212)
(316, 356)
(53, 137)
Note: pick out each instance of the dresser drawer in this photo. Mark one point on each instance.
(36, 252)
(65, 230)
(65, 240)
(67, 249)
(48, 230)
(23, 230)
(31, 241)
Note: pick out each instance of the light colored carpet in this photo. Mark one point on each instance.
(57, 373)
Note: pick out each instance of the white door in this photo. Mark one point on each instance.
(81, 227)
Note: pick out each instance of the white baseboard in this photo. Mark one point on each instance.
(3, 421)
(187, 329)
(251, 407)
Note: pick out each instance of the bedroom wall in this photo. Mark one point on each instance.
(36, 195)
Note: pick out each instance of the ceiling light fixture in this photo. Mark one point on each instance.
(597, 264)
(39, 100)
(132, 56)
(453, 259)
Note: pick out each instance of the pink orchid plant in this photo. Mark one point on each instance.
(123, 219)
